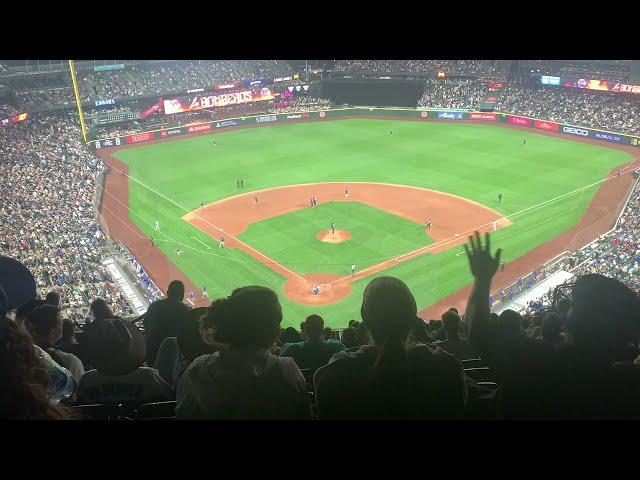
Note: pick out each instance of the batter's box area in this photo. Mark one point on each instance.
(354, 230)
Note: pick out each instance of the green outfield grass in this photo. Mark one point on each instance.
(376, 236)
(470, 160)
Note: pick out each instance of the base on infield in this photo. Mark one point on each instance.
(300, 290)
(338, 237)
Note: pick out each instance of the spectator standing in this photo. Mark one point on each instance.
(163, 319)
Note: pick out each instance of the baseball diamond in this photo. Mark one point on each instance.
(439, 171)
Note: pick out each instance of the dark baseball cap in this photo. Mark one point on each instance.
(17, 285)
(114, 346)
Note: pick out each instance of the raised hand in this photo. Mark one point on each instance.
(482, 264)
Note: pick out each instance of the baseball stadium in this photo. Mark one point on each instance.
(319, 212)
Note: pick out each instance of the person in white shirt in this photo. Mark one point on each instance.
(245, 380)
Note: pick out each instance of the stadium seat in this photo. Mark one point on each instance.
(99, 411)
(167, 360)
(479, 374)
(156, 411)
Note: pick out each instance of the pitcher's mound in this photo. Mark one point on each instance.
(300, 290)
(329, 237)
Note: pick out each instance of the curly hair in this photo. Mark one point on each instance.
(24, 378)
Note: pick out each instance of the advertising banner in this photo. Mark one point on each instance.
(20, 117)
(482, 116)
(140, 137)
(451, 115)
(109, 142)
(525, 122)
(550, 126)
(608, 137)
(171, 132)
(600, 85)
(547, 80)
(190, 104)
(107, 102)
(266, 118)
(297, 116)
(226, 86)
(226, 123)
(624, 88)
(581, 132)
(152, 109)
(199, 128)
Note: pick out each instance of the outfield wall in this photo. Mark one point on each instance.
(372, 112)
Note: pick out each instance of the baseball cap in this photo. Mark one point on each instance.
(17, 285)
(114, 346)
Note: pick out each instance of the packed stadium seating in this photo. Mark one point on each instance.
(560, 364)
(49, 221)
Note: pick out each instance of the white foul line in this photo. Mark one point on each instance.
(198, 240)
(248, 247)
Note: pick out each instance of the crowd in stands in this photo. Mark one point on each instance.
(579, 361)
(119, 130)
(609, 111)
(453, 94)
(7, 110)
(148, 79)
(48, 223)
(431, 67)
(299, 104)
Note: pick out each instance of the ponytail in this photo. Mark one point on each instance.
(390, 372)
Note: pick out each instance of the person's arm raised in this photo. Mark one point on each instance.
(483, 267)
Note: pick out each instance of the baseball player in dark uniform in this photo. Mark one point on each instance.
(499, 199)
(346, 192)
(333, 228)
(427, 226)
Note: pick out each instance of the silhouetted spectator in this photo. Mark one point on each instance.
(315, 351)
(116, 349)
(583, 380)
(387, 380)
(289, 335)
(244, 381)
(53, 298)
(163, 318)
(350, 338)
(456, 346)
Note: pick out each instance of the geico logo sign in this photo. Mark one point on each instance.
(576, 131)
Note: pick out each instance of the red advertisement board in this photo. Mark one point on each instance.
(199, 128)
(482, 116)
(550, 126)
(525, 122)
(140, 137)
(190, 104)
(152, 109)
